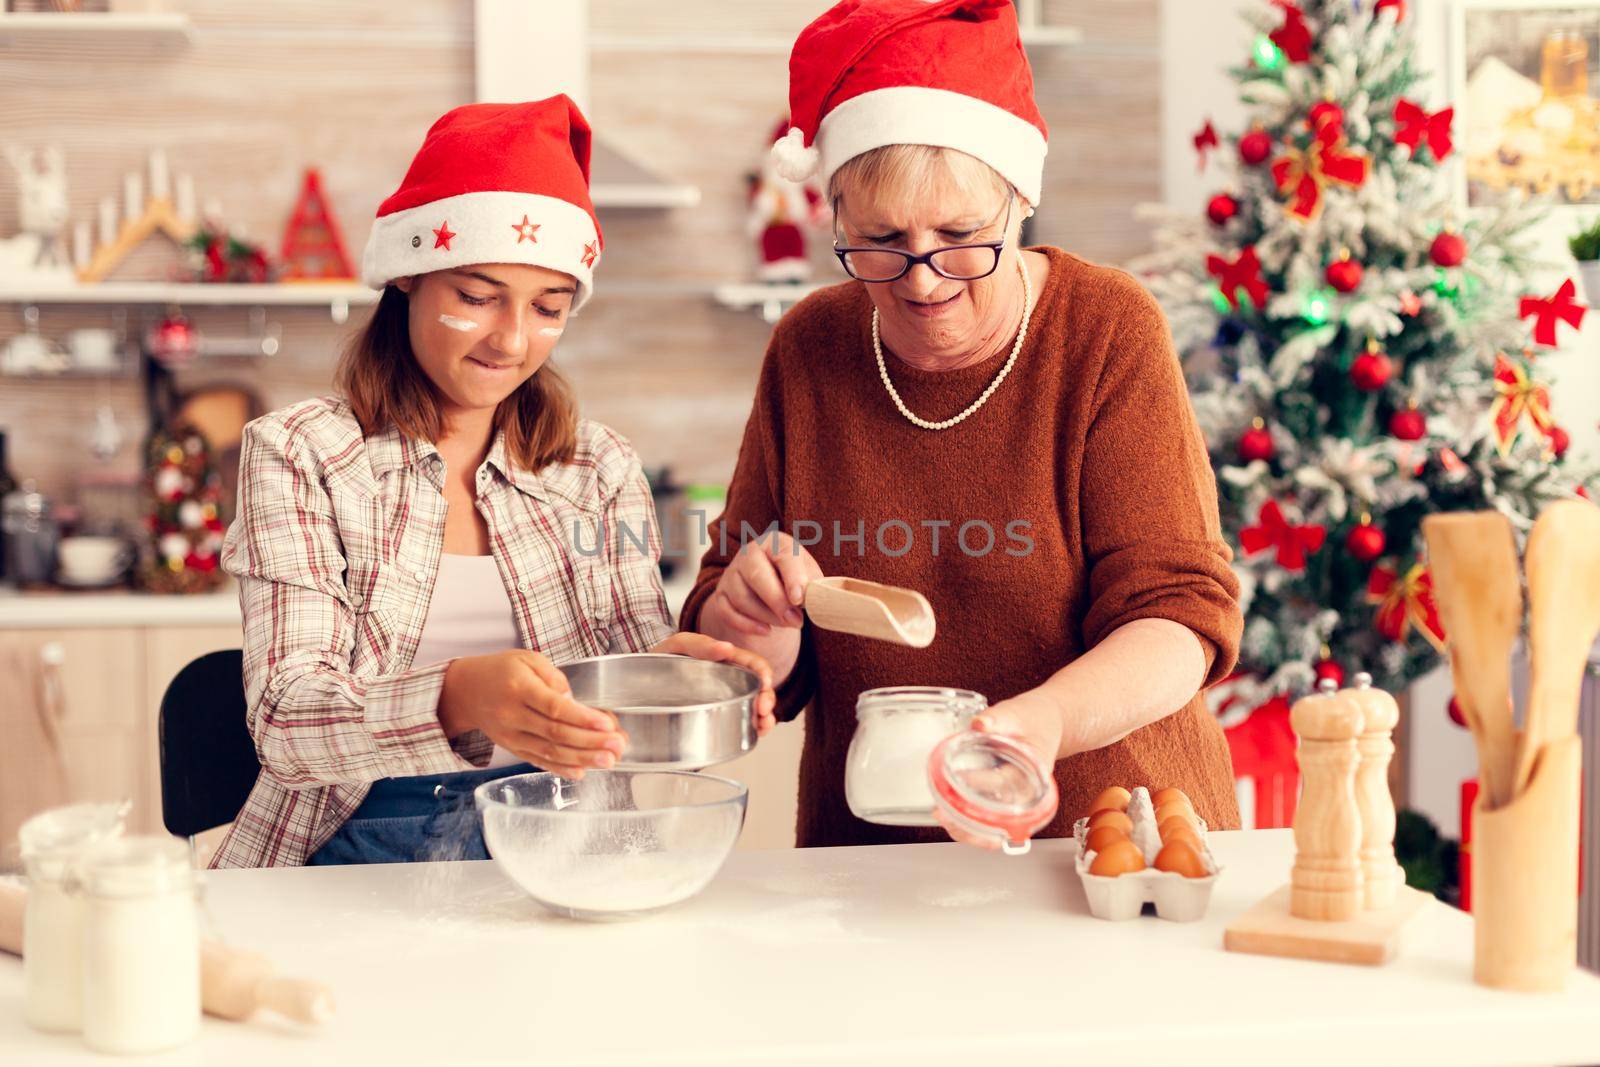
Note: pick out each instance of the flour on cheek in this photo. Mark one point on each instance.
(464, 325)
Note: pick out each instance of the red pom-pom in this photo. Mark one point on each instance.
(1221, 208)
(1256, 443)
(1560, 441)
(1371, 370)
(1448, 250)
(1344, 274)
(1408, 424)
(1328, 670)
(1255, 147)
(1365, 542)
(1454, 710)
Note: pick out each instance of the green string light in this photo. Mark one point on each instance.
(1267, 55)
(1318, 307)
(1219, 301)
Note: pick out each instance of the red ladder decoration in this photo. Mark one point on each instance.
(313, 247)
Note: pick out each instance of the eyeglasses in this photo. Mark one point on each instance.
(961, 263)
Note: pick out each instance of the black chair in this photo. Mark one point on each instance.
(208, 758)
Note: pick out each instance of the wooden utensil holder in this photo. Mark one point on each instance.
(1525, 878)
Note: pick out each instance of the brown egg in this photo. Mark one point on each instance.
(1101, 836)
(1181, 858)
(1180, 831)
(1175, 811)
(1169, 794)
(1119, 819)
(1112, 798)
(1119, 857)
(1166, 827)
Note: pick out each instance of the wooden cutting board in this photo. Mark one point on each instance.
(1372, 938)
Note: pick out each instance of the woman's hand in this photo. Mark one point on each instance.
(524, 704)
(1032, 718)
(758, 602)
(702, 647)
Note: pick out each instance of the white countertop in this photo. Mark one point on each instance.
(917, 954)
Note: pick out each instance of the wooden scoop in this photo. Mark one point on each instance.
(1563, 563)
(1477, 584)
(868, 609)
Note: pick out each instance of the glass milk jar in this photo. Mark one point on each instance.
(897, 729)
(141, 961)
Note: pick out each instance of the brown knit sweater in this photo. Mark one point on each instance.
(1090, 440)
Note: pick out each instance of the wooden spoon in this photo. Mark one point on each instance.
(1477, 584)
(1563, 563)
(868, 609)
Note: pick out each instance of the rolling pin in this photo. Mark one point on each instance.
(234, 983)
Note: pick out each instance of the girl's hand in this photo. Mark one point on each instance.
(524, 704)
(1031, 718)
(702, 647)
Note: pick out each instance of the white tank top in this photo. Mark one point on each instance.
(470, 615)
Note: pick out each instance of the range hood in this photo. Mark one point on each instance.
(523, 53)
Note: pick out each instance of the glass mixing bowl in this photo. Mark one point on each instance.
(615, 845)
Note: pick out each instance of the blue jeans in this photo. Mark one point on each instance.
(409, 820)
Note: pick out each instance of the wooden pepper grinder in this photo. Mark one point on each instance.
(1381, 876)
(1325, 884)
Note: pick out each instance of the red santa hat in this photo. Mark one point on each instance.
(493, 183)
(949, 73)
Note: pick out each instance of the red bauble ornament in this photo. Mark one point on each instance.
(1328, 670)
(1222, 208)
(1398, 5)
(1256, 443)
(1448, 250)
(1454, 710)
(1408, 424)
(1323, 114)
(1371, 370)
(1365, 542)
(1255, 147)
(1559, 441)
(1344, 274)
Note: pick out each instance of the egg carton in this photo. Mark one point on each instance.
(1175, 896)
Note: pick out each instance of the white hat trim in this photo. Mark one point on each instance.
(485, 228)
(911, 114)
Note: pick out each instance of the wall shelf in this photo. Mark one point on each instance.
(152, 30)
(772, 298)
(337, 297)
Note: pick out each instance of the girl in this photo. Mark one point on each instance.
(415, 556)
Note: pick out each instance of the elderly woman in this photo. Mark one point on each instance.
(1003, 429)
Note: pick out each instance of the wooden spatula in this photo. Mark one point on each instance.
(1477, 583)
(1563, 563)
(868, 609)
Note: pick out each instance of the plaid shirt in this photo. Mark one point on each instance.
(336, 549)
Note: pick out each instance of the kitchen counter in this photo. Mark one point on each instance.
(917, 954)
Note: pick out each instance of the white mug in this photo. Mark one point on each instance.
(89, 560)
(94, 349)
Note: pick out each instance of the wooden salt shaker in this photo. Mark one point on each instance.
(1381, 876)
(1325, 884)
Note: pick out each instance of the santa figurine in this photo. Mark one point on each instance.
(780, 211)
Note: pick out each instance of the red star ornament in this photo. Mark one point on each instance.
(442, 236)
(1293, 543)
(591, 252)
(1548, 311)
(526, 231)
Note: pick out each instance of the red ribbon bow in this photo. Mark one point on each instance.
(1293, 38)
(1204, 141)
(1294, 543)
(1414, 127)
(1403, 602)
(1550, 310)
(1519, 395)
(1242, 273)
(1309, 171)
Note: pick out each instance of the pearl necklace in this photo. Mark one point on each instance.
(1016, 350)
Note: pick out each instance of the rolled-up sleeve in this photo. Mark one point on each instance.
(1151, 534)
(314, 721)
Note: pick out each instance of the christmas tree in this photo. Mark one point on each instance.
(1358, 355)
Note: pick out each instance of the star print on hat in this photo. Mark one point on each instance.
(493, 183)
(948, 73)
